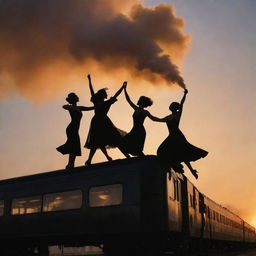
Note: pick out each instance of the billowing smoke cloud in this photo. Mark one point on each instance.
(41, 40)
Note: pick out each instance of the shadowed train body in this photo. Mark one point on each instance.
(131, 203)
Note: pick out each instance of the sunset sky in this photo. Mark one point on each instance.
(218, 63)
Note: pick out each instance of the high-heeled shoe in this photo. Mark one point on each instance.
(195, 173)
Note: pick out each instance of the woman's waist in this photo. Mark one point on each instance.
(175, 132)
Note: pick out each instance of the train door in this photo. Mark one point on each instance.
(174, 202)
(206, 212)
(204, 220)
(185, 208)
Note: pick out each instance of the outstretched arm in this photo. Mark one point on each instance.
(83, 108)
(156, 119)
(90, 85)
(129, 100)
(119, 91)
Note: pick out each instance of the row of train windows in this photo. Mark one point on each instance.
(98, 196)
(221, 219)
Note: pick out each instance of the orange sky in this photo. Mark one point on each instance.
(219, 114)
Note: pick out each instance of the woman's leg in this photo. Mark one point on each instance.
(141, 154)
(124, 153)
(194, 172)
(92, 152)
(71, 161)
(104, 151)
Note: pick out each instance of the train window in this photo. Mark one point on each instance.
(194, 198)
(172, 189)
(106, 195)
(62, 201)
(208, 212)
(191, 200)
(26, 205)
(1, 207)
(177, 190)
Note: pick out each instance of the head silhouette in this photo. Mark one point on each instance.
(174, 106)
(100, 95)
(72, 98)
(144, 102)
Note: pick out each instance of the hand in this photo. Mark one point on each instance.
(185, 91)
(89, 77)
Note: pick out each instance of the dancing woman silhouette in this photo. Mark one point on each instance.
(103, 132)
(72, 145)
(133, 142)
(175, 148)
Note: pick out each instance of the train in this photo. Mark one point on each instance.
(136, 205)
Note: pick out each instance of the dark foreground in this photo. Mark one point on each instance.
(94, 251)
(240, 253)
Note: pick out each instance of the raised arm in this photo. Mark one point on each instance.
(182, 102)
(90, 85)
(119, 91)
(129, 100)
(184, 97)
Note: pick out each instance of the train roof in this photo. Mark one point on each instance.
(102, 165)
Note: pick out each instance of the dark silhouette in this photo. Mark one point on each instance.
(133, 142)
(72, 145)
(103, 132)
(175, 148)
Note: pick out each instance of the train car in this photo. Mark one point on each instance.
(223, 224)
(249, 233)
(98, 204)
(135, 205)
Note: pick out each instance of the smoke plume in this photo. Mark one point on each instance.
(44, 41)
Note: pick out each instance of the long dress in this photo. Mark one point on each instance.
(72, 145)
(102, 132)
(133, 142)
(176, 149)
